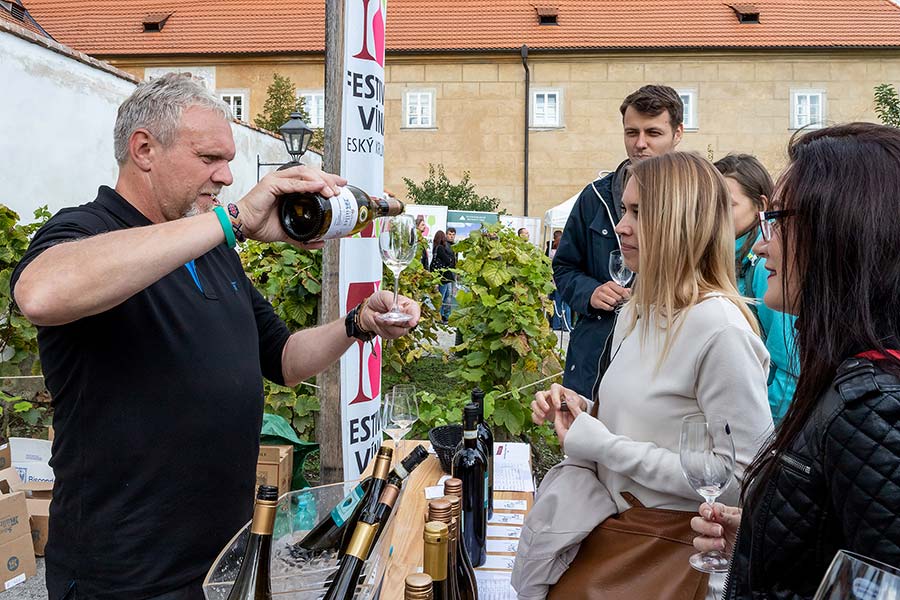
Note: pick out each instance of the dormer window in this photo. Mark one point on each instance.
(15, 9)
(155, 22)
(547, 15)
(746, 13)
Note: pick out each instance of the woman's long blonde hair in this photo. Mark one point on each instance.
(686, 241)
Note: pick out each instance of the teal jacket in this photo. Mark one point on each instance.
(777, 329)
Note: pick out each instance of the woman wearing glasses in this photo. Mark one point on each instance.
(751, 187)
(828, 479)
(684, 343)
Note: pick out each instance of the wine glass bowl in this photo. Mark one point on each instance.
(707, 461)
(618, 270)
(852, 575)
(399, 411)
(397, 243)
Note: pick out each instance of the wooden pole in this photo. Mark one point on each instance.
(328, 429)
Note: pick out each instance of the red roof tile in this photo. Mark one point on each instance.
(113, 27)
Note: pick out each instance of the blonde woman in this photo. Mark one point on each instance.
(684, 343)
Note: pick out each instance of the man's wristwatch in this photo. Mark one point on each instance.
(353, 327)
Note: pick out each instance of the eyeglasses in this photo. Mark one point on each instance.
(769, 219)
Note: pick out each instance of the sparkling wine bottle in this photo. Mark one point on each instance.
(310, 217)
(440, 510)
(252, 582)
(435, 564)
(470, 466)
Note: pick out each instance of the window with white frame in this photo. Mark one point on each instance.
(314, 102)
(418, 108)
(807, 108)
(689, 99)
(236, 101)
(546, 108)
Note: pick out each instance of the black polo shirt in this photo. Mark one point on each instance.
(157, 410)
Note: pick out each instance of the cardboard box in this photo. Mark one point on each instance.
(31, 458)
(39, 514)
(17, 561)
(5, 454)
(13, 518)
(275, 467)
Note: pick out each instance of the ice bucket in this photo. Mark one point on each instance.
(300, 576)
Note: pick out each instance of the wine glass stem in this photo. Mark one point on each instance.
(396, 307)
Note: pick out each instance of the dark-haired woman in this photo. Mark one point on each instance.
(443, 259)
(830, 477)
(750, 186)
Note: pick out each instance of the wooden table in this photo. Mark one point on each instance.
(410, 521)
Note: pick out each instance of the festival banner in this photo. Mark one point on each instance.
(362, 163)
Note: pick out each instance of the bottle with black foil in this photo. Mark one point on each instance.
(439, 510)
(343, 585)
(435, 563)
(310, 217)
(470, 466)
(418, 587)
(333, 532)
(252, 582)
(465, 573)
(486, 438)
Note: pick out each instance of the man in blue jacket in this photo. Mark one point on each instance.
(652, 121)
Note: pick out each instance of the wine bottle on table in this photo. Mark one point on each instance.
(310, 217)
(329, 533)
(440, 510)
(418, 587)
(343, 585)
(465, 573)
(486, 438)
(252, 582)
(470, 465)
(398, 475)
(435, 563)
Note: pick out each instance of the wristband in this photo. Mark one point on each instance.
(225, 222)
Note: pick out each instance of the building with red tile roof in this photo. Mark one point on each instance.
(750, 73)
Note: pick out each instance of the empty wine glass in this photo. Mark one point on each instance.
(398, 413)
(856, 577)
(707, 460)
(619, 272)
(397, 242)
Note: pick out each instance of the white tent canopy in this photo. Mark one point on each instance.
(556, 218)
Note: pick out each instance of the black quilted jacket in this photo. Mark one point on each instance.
(838, 487)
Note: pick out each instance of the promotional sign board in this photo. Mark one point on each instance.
(466, 221)
(532, 224)
(362, 163)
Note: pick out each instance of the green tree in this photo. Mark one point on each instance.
(281, 101)
(887, 104)
(438, 190)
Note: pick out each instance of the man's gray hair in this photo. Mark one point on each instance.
(157, 106)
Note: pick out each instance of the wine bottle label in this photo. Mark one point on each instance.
(470, 435)
(345, 507)
(344, 214)
(401, 472)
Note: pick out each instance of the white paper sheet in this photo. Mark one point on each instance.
(507, 519)
(501, 531)
(434, 491)
(510, 504)
(495, 585)
(495, 561)
(512, 452)
(513, 477)
(502, 546)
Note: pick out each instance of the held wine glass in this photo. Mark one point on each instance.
(857, 577)
(397, 242)
(398, 413)
(707, 460)
(619, 272)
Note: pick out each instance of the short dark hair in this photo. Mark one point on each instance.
(451, 230)
(653, 100)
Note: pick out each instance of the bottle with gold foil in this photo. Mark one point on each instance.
(418, 587)
(331, 533)
(436, 537)
(343, 586)
(380, 472)
(310, 217)
(252, 582)
(465, 574)
(440, 510)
